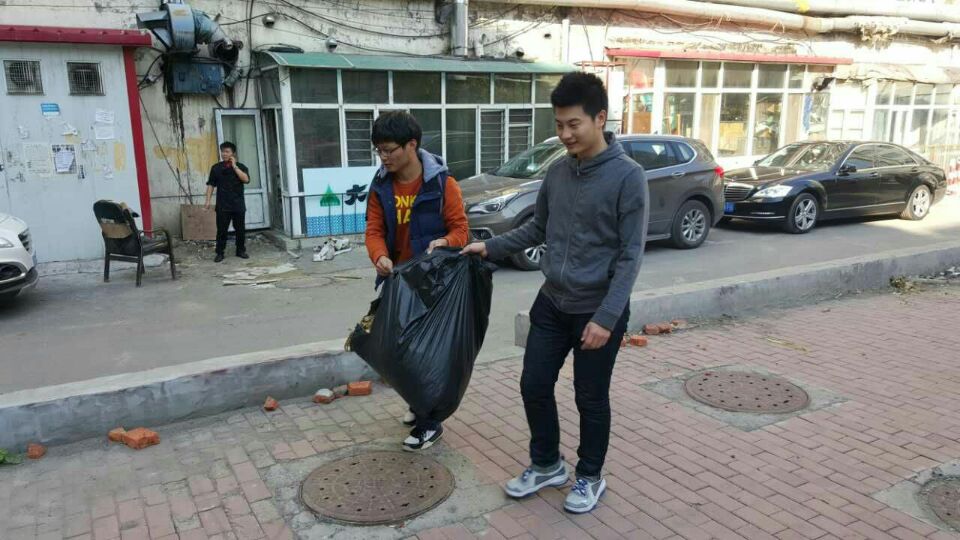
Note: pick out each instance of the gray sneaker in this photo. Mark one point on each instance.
(531, 481)
(584, 495)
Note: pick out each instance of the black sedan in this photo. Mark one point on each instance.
(801, 184)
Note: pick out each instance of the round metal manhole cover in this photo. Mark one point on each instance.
(740, 391)
(377, 488)
(943, 498)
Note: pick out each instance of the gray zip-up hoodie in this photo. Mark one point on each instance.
(593, 217)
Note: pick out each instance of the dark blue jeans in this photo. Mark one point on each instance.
(553, 334)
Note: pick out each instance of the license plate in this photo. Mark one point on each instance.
(728, 208)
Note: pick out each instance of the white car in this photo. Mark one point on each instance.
(18, 260)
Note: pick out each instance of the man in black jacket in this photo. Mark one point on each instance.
(228, 178)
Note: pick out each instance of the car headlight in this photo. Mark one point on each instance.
(4, 243)
(774, 192)
(493, 205)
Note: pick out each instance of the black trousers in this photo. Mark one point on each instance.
(223, 225)
(553, 334)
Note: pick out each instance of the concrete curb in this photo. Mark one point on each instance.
(75, 411)
(777, 288)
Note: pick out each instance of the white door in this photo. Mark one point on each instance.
(242, 128)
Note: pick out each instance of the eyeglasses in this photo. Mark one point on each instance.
(384, 152)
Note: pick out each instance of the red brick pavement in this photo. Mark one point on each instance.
(672, 472)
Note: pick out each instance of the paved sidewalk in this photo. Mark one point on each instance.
(883, 371)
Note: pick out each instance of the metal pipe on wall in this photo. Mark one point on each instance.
(879, 8)
(459, 28)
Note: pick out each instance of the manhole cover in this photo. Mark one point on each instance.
(943, 497)
(740, 391)
(377, 488)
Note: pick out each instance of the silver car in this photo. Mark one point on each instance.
(686, 191)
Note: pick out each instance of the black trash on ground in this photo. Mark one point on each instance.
(424, 332)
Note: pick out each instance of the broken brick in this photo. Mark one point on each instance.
(116, 435)
(638, 341)
(340, 391)
(35, 451)
(665, 328)
(651, 329)
(270, 404)
(324, 396)
(360, 388)
(140, 438)
(678, 323)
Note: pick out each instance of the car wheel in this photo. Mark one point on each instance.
(528, 259)
(918, 205)
(691, 225)
(803, 214)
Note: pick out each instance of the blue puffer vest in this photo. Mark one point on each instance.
(426, 217)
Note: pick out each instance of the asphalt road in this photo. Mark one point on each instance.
(74, 327)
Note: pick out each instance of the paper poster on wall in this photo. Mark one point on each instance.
(50, 109)
(63, 160)
(103, 133)
(103, 117)
(38, 159)
(337, 199)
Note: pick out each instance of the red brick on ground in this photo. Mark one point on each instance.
(140, 438)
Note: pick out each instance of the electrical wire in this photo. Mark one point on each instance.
(163, 153)
(143, 80)
(360, 28)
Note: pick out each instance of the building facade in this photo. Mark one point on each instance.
(745, 77)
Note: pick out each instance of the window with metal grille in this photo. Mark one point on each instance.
(491, 140)
(84, 79)
(520, 131)
(359, 125)
(23, 77)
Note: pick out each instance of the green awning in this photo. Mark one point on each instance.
(371, 62)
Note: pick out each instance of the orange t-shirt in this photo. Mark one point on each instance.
(454, 217)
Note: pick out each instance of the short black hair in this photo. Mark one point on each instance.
(230, 145)
(398, 127)
(579, 88)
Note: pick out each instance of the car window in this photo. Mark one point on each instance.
(530, 163)
(685, 152)
(891, 156)
(651, 155)
(861, 158)
(782, 157)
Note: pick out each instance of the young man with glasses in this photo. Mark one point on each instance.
(414, 206)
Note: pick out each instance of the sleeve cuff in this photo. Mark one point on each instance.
(605, 319)
(494, 249)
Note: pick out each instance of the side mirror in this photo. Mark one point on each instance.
(848, 169)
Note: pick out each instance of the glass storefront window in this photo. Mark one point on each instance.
(461, 142)
(918, 129)
(681, 73)
(734, 113)
(771, 76)
(678, 114)
(902, 93)
(313, 86)
(796, 76)
(270, 87)
(766, 130)
(416, 87)
(639, 72)
(544, 125)
(848, 95)
(545, 85)
(924, 94)
(938, 128)
(884, 91)
(641, 113)
(468, 88)
(881, 125)
(737, 75)
(430, 121)
(708, 118)
(853, 129)
(711, 75)
(511, 88)
(943, 94)
(317, 133)
(364, 86)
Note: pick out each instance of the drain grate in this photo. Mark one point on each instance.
(740, 391)
(377, 488)
(943, 497)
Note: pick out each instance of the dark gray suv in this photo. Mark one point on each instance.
(686, 191)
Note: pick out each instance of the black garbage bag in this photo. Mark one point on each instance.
(424, 332)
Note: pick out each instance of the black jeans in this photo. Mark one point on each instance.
(553, 334)
(223, 225)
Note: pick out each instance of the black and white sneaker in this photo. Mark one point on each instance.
(421, 439)
(409, 419)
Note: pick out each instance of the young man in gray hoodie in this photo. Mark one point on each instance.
(592, 214)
